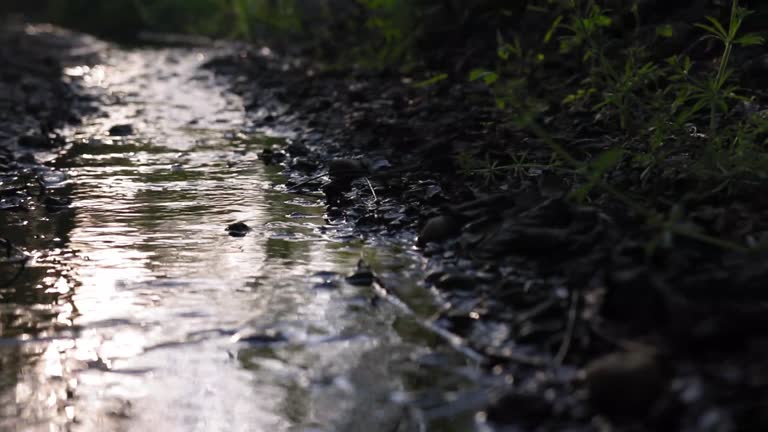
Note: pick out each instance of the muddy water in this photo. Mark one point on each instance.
(138, 312)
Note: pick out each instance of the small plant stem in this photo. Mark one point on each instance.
(570, 329)
(723, 67)
(714, 241)
(305, 182)
(241, 12)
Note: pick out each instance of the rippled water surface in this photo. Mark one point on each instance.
(138, 312)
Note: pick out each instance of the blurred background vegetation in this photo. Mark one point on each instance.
(645, 69)
(675, 85)
(382, 32)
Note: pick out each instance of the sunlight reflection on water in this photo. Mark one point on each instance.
(173, 325)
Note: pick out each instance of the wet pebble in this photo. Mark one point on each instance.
(438, 229)
(326, 280)
(52, 178)
(238, 229)
(272, 156)
(297, 149)
(269, 337)
(380, 164)
(363, 276)
(121, 130)
(625, 383)
(334, 191)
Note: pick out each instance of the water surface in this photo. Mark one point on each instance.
(138, 312)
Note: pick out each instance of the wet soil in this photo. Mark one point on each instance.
(563, 301)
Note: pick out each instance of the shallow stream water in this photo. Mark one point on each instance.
(137, 312)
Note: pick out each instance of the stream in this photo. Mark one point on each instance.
(138, 312)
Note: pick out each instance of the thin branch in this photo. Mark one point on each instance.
(373, 192)
(305, 182)
(455, 341)
(570, 329)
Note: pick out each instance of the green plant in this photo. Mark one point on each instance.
(714, 92)
(491, 171)
(621, 87)
(593, 172)
(394, 22)
(585, 26)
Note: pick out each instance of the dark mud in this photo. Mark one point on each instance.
(36, 101)
(581, 326)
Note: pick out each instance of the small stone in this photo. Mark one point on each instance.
(238, 229)
(334, 192)
(346, 169)
(121, 130)
(269, 337)
(625, 383)
(326, 280)
(438, 229)
(266, 156)
(297, 149)
(363, 276)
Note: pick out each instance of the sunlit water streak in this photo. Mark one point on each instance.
(158, 295)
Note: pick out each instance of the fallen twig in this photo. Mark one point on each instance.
(455, 341)
(370, 186)
(570, 328)
(305, 182)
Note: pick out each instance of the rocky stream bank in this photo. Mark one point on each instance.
(563, 301)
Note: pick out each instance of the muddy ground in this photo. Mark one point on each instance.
(561, 301)
(35, 102)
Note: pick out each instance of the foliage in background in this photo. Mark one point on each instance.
(662, 93)
(665, 117)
